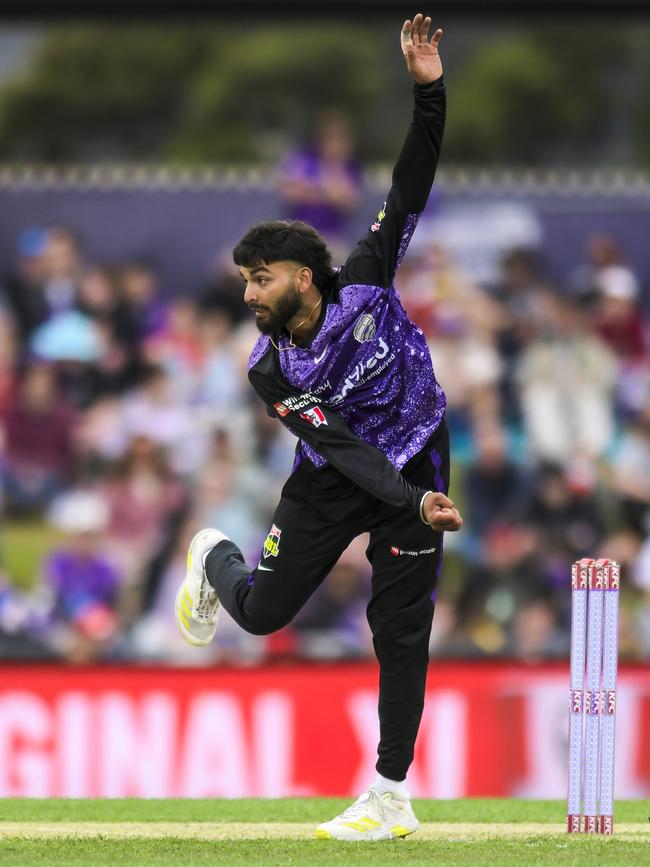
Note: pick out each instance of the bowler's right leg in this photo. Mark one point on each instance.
(318, 515)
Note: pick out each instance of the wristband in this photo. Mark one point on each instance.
(426, 494)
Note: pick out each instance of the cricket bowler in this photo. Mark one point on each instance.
(341, 366)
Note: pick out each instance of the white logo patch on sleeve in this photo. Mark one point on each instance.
(314, 416)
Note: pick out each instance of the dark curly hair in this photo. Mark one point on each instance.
(286, 240)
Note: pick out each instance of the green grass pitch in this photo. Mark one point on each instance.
(278, 832)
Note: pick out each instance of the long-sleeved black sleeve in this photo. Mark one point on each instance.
(376, 257)
(327, 432)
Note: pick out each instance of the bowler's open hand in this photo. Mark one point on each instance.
(421, 55)
(440, 512)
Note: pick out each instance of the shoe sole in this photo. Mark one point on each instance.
(396, 832)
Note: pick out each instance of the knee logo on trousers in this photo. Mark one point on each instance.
(272, 542)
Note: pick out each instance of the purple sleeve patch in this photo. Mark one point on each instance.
(407, 234)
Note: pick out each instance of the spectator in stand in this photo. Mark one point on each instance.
(522, 293)
(566, 513)
(153, 410)
(566, 383)
(23, 290)
(177, 347)
(511, 571)
(99, 298)
(118, 369)
(219, 383)
(640, 575)
(141, 495)
(631, 473)
(320, 184)
(608, 287)
(221, 402)
(273, 450)
(476, 633)
(145, 313)
(97, 295)
(8, 361)
(618, 316)
(47, 278)
(82, 579)
(222, 500)
(38, 430)
(63, 269)
(602, 256)
(535, 634)
(441, 298)
(497, 490)
(99, 439)
(25, 621)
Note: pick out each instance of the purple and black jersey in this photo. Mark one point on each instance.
(362, 394)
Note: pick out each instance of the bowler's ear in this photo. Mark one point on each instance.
(305, 278)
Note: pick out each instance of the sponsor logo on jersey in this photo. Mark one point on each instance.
(400, 552)
(272, 542)
(365, 370)
(314, 416)
(293, 404)
(380, 216)
(365, 328)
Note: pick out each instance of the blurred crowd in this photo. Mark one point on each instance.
(127, 423)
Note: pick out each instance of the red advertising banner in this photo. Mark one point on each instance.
(488, 730)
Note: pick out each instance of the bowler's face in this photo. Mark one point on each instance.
(272, 294)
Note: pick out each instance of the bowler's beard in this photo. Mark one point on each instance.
(277, 317)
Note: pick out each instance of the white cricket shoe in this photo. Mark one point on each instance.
(196, 603)
(373, 816)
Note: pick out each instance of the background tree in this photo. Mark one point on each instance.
(528, 98)
(202, 94)
(191, 93)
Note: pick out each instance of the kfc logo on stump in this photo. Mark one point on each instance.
(574, 824)
(611, 702)
(576, 701)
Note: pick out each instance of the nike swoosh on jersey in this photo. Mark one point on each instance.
(317, 360)
(265, 568)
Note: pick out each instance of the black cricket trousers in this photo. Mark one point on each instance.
(319, 513)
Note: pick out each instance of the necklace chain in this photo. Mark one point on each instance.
(292, 345)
